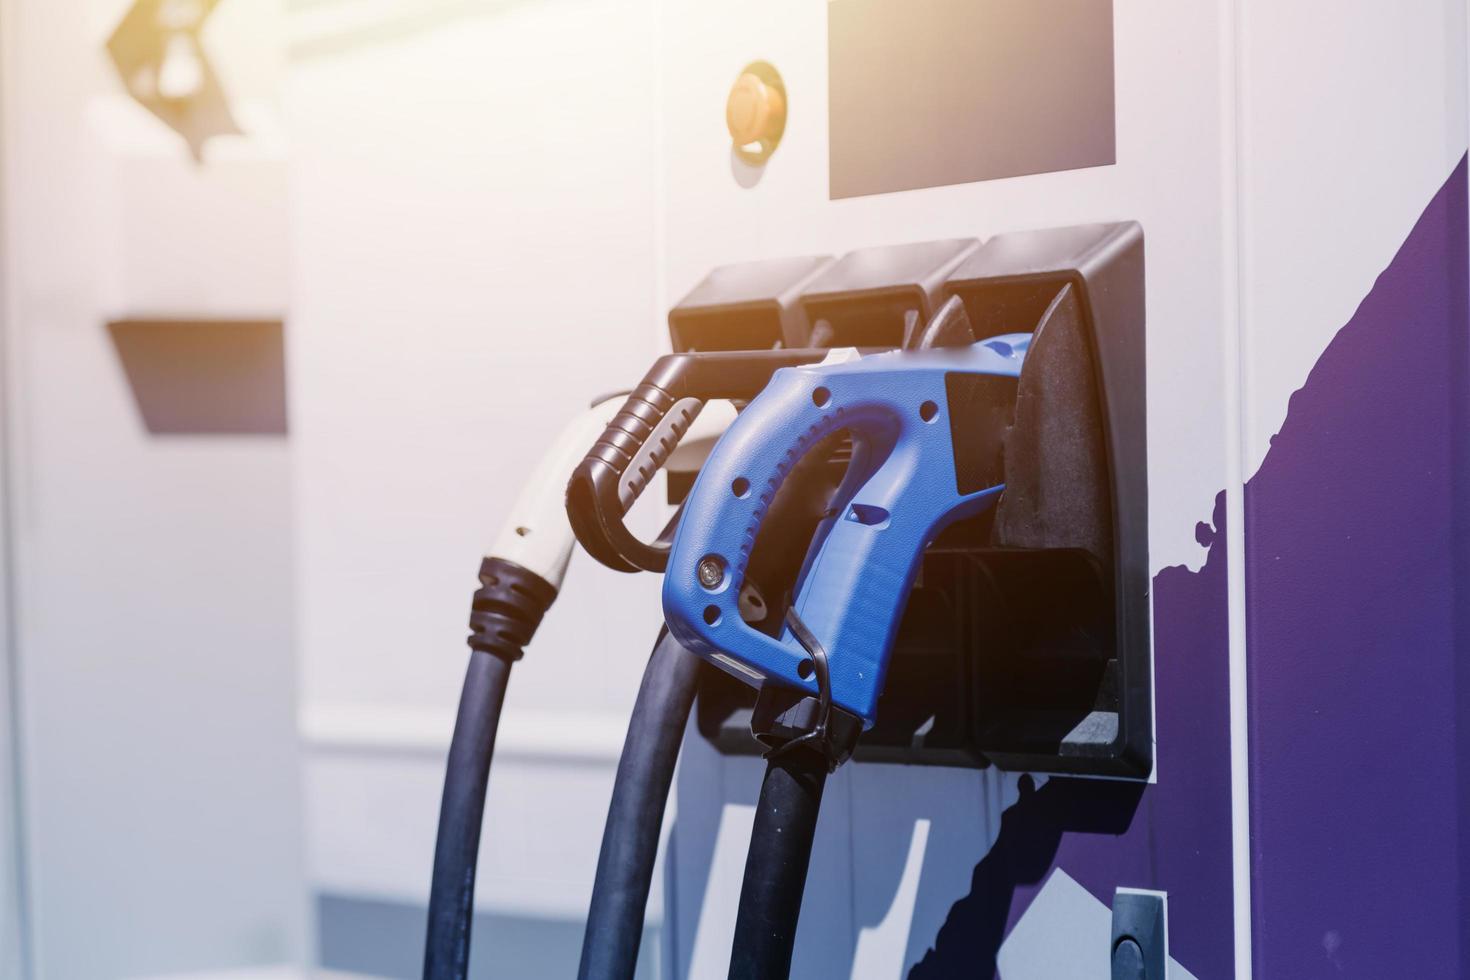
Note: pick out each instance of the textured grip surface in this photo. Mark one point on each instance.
(629, 430)
(618, 468)
(656, 449)
(640, 438)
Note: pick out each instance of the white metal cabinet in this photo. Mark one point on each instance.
(1275, 176)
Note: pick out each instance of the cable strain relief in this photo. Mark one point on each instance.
(507, 608)
(785, 718)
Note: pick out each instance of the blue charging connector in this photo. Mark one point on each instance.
(911, 416)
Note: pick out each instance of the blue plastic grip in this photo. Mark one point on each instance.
(903, 493)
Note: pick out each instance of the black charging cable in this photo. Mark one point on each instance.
(507, 608)
(635, 815)
(776, 865)
(781, 839)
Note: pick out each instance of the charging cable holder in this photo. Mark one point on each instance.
(1026, 642)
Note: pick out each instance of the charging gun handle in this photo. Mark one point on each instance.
(901, 488)
(645, 431)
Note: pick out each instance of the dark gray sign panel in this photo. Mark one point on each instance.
(924, 93)
(205, 377)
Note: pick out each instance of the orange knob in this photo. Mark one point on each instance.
(755, 112)
(751, 109)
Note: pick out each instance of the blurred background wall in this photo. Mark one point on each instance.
(238, 638)
(153, 570)
(12, 931)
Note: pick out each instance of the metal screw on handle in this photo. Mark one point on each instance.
(711, 572)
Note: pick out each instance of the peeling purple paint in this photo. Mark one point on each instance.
(1360, 810)
(1180, 842)
(1355, 530)
(1174, 835)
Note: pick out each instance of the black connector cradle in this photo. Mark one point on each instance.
(1026, 642)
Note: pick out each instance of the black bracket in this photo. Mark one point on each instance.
(1026, 643)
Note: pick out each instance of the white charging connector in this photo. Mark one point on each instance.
(537, 536)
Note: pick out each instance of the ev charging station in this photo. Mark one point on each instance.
(1148, 751)
(1280, 241)
(1088, 733)
(1010, 454)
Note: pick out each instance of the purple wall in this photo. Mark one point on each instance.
(1356, 630)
